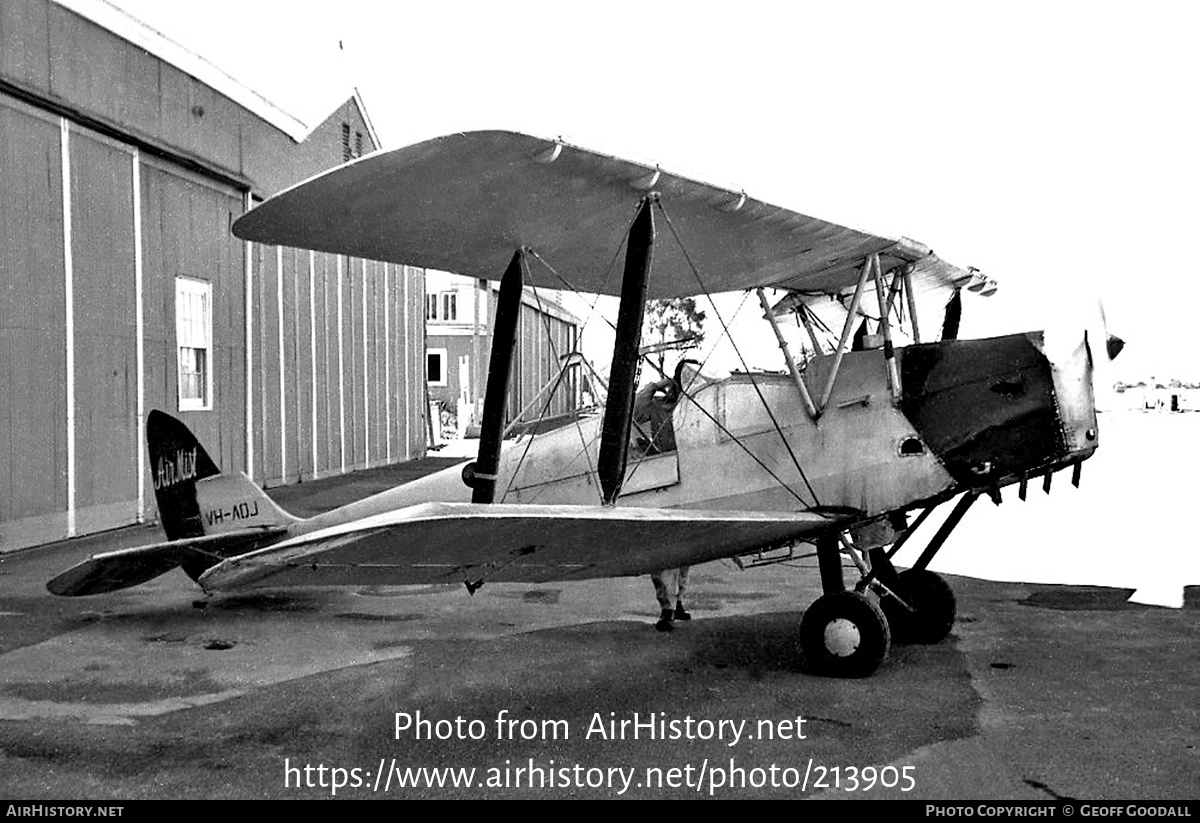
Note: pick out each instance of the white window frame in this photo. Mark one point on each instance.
(449, 301)
(194, 333)
(441, 353)
(431, 307)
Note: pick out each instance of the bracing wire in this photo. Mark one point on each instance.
(739, 443)
(725, 333)
(737, 350)
(562, 371)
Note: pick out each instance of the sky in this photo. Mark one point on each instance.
(1052, 145)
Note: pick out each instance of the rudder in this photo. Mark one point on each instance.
(177, 461)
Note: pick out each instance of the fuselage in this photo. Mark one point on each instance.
(968, 414)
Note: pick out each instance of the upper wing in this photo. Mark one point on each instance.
(453, 542)
(466, 202)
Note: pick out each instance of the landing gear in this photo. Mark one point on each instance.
(918, 603)
(844, 634)
(928, 612)
(848, 633)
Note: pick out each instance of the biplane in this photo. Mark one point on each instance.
(849, 449)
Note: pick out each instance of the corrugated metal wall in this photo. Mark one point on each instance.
(339, 394)
(33, 395)
(105, 332)
(542, 340)
(120, 173)
(185, 233)
(337, 345)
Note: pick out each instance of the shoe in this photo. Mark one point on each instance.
(665, 623)
(681, 613)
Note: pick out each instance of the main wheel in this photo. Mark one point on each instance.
(844, 634)
(933, 606)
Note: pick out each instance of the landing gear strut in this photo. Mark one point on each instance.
(919, 604)
(847, 633)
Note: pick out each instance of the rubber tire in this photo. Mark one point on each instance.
(933, 600)
(874, 637)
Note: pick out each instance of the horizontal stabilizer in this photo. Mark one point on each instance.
(452, 542)
(111, 571)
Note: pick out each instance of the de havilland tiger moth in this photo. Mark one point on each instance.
(849, 450)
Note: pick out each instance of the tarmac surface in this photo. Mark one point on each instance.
(1041, 692)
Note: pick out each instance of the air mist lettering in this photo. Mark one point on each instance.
(170, 472)
(238, 511)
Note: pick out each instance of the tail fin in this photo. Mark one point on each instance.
(177, 461)
(194, 498)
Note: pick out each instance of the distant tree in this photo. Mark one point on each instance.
(677, 320)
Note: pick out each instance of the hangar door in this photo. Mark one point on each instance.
(78, 296)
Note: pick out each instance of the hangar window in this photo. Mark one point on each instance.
(351, 150)
(193, 337)
(442, 306)
(435, 367)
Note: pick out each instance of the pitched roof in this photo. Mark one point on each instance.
(146, 37)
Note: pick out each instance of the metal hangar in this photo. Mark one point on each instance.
(124, 159)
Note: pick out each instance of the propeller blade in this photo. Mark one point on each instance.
(1112, 344)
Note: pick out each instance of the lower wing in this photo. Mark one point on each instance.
(452, 542)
